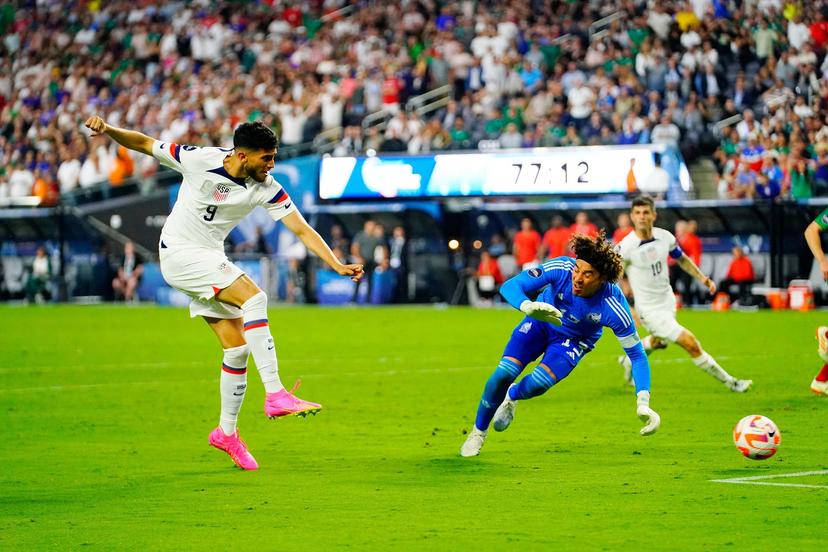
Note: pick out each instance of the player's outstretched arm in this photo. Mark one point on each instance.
(815, 245)
(297, 224)
(641, 377)
(515, 291)
(687, 265)
(130, 139)
(620, 321)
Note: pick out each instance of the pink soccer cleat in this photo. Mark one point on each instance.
(285, 403)
(235, 447)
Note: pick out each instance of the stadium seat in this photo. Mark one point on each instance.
(721, 263)
(13, 274)
(760, 266)
(706, 263)
(508, 265)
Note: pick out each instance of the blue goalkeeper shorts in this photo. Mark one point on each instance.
(532, 338)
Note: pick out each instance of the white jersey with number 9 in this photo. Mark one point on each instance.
(211, 202)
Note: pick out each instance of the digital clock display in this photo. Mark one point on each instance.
(539, 171)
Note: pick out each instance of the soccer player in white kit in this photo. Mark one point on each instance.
(220, 187)
(645, 252)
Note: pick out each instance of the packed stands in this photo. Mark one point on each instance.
(741, 80)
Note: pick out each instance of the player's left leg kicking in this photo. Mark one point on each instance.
(528, 341)
(246, 295)
(820, 383)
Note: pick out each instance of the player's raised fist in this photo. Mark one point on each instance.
(96, 124)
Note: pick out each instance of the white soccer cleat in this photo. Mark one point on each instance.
(626, 364)
(505, 414)
(819, 387)
(739, 386)
(822, 342)
(474, 442)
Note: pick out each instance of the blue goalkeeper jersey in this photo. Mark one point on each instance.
(583, 317)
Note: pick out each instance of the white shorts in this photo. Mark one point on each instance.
(200, 273)
(661, 322)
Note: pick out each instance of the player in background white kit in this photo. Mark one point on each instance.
(220, 187)
(645, 252)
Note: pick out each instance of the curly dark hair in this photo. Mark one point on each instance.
(255, 136)
(600, 253)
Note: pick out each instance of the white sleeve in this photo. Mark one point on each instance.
(174, 156)
(623, 249)
(278, 203)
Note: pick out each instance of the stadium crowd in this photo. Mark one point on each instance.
(524, 73)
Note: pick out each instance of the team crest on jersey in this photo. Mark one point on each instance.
(652, 254)
(594, 317)
(535, 272)
(221, 192)
(225, 267)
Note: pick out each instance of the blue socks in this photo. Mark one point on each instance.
(495, 391)
(536, 383)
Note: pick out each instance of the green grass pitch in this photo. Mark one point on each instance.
(106, 412)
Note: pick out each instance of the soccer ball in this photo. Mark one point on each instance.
(757, 437)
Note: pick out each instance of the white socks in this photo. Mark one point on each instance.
(257, 335)
(709, 365)
(233, 386)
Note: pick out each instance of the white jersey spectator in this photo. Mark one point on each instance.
(68, 175)
(798, 33)
(666, 132)
(581, 99)
(660, 21)
(21, 181)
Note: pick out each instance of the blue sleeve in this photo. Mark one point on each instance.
(619, 319)
(640, 366)
(516, 289)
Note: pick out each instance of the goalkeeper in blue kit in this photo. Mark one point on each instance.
(575, 299)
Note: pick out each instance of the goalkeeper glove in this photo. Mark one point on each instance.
(541, 311)
(646, 414)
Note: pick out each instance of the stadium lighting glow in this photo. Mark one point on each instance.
(477, 244)
(454, 245)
